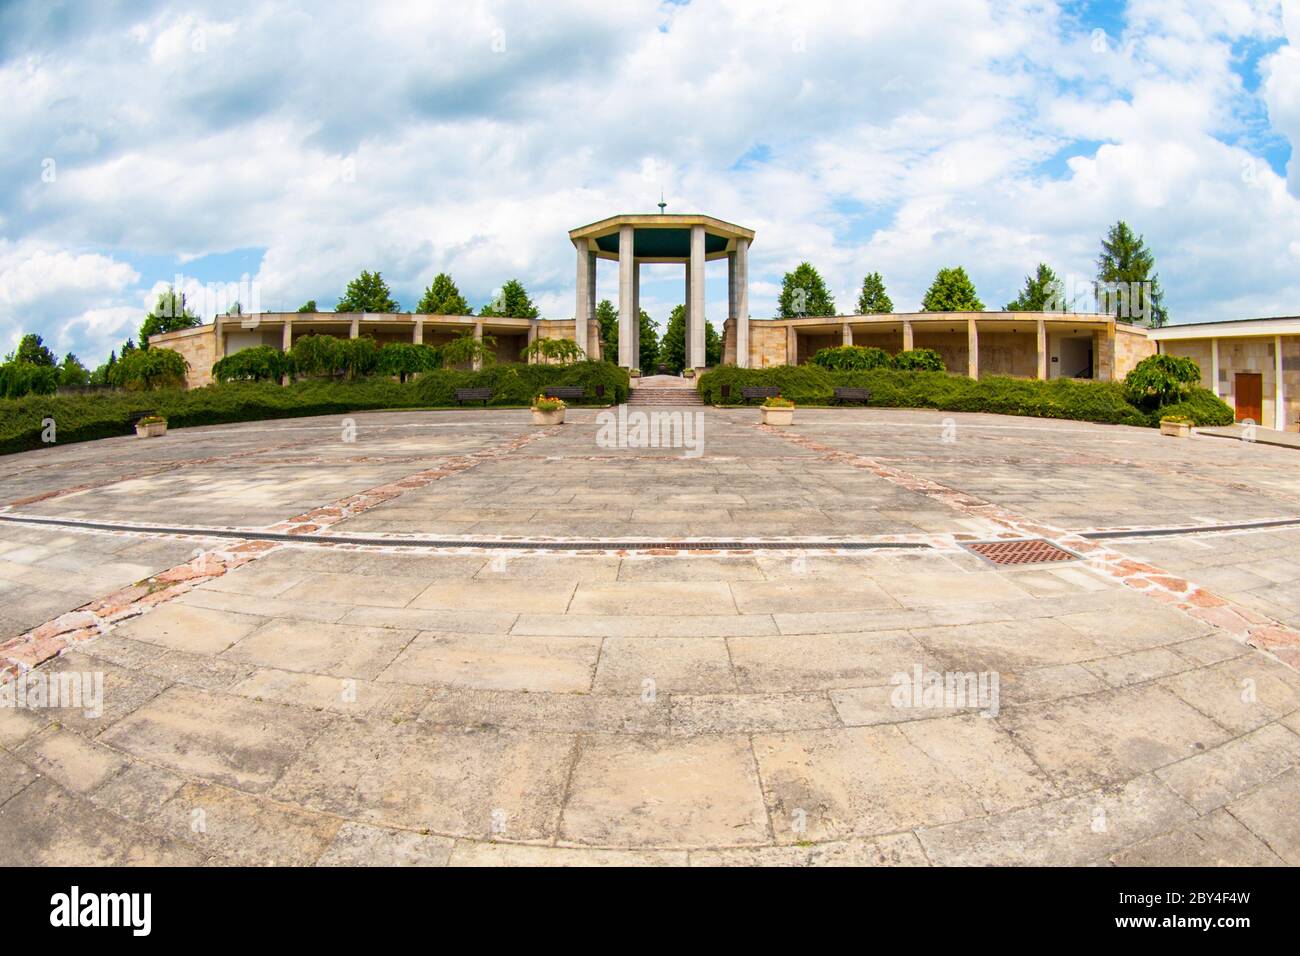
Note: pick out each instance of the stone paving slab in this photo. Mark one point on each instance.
(325, 705)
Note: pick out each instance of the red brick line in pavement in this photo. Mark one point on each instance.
(1254, 629)
(20, 654)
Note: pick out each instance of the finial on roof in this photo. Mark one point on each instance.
(662, 205)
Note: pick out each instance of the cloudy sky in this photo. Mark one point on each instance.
(297, 144)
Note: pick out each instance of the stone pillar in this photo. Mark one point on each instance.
(1042, 350)
(354, 330)
(731, 285)
(219, 337)
(478, 337)
(695, 346)
(1214, 366)
(791, 345)
(740, 296)
(1279, 398)
(585, 306)
(534, 326)
(286, 343)
(636, 316)
(626, 293)
(686, 318)
(907, 336)
(846, 334)
(972, 348)
(1104, 345)
(417, 333)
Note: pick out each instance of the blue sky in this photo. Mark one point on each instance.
(289, 146)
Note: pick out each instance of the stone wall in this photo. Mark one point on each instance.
(951, 346)
(1132, 346)
(767, 344)
(197, 346)
(1008, 353)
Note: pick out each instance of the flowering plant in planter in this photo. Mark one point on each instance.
(548, 411)
(1177, 426)
(688, 373)
(777, 411)
(151, 426)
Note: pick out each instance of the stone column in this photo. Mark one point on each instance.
(731, 285)
(686, 318)
(695, 346)
(908, 338)
(846, 334)
(478, 337)
(636, 316)
(286, 343)
(972, 348)
(1279, 398)
(1042, 350)
(626, 281)
(741, 299)
(585, 305)
(791, 345)
(417, 333)
(354, 330)
(1105, 348)
(1214, 365)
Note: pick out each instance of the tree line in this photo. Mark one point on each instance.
(1126, 282)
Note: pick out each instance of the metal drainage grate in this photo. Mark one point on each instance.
(1021, 551)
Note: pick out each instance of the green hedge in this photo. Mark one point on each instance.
(1059, 398)
(85, 417)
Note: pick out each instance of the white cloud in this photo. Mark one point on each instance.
(420, 138)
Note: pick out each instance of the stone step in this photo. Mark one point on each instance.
(664, 396)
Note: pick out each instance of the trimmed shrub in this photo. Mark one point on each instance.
(562, 351)
(405, 359)
(1161, 380)
(84, 417)
(918, 360)
(1202, 406)
(466, 349)
(317, 355)
(358, 357)
(851, 358)
(261, 363)
(144, 371)
(802, 384)
(27, 378)
(1064, 398)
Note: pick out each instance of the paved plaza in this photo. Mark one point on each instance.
(453, 637)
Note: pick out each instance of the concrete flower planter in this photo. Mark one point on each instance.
(553, 417)
(1176, 429)
(151, 430)
(777, 416)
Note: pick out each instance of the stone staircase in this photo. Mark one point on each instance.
(678, 396)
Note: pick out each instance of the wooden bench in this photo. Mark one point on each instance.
(750, 392)
(464, 395)
(567, 392)
(843, 395)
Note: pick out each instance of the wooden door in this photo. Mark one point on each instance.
(1249, 393)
